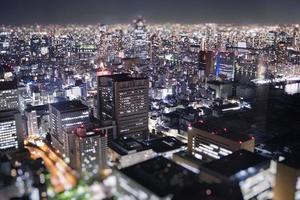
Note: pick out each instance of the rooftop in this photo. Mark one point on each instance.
(164, 144)
(234, 163)
(86, 131)
(8, 114)
(122, 77)
(216, 82)
(30, 108)
(160, 175)
(8, 85)
(69, 106)
(126, 145)
(217, 129)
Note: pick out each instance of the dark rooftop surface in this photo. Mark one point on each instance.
(70, 106)
(37, 108)
(88, 131)
(164, 144)
(124, 146)
(235, 162)
(122, 77)
(225, 132)
(8, 85)
(160, 175)
(215, 82)
(292, 161)
(8, 114)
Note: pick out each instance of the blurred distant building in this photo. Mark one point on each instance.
(221, 89)
(224, 66)
(206, 61)
(140, 39)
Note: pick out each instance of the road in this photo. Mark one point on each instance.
(62, 176)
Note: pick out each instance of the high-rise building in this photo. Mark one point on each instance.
(88, 149)
(32, 123)
(125, 100)
(9, 98)
(140, 39)
(37, 120)
(11, 135)
(206, 61)
(67, 115)
(225, 65)
(271, 38)
(205, 141)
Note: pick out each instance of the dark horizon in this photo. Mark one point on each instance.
(20, 12)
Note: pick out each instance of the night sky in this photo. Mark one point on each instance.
(18, 12)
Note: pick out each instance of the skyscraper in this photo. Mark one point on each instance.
(206, 61)
(32, 123)
(68, 115)
(125, 100)
(9, 95)
(140, 39)
(11, 135)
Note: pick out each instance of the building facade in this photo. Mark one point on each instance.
(66, 115)
(88, 149)
(11, 134)
(125, 100)
(206, 143)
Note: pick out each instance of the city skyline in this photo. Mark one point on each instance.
(161, 105)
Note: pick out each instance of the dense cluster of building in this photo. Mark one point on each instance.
(171, 111)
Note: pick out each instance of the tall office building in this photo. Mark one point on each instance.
(37, 120)
(225, 65)
(32, 123)
(9, 98)
(125, 100)
(87, 149)
(67, 115)
(11, 135)
(140, 39)
(206, 61)
(206, 142)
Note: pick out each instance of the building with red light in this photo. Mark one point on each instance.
(87, 149)
(205, 141)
